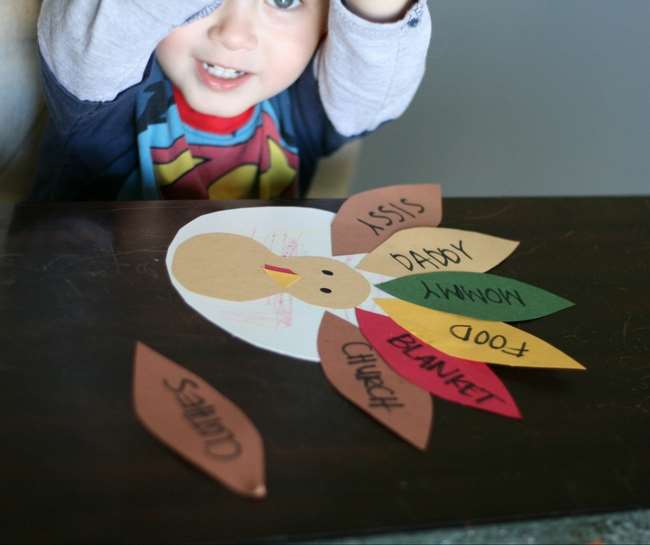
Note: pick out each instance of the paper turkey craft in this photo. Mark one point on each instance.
(415, 315)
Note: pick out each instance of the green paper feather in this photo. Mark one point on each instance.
(478, 295)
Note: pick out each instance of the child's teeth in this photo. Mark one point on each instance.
(218, 71)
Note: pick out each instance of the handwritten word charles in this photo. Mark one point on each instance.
(219, 441)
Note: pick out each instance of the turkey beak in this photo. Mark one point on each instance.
(281, 276)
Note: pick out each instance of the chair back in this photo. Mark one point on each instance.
(22, 110)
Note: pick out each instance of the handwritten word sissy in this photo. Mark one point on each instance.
(386, 215)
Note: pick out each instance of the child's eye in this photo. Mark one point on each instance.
(284, 4)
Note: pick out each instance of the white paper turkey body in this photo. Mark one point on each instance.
(280, 323)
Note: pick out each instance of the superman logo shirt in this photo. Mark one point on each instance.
(187, 155)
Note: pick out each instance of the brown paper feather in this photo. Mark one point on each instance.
(199, 423)
(367, 219)
(358, 373)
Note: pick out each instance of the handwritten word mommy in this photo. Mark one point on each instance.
(475, 295)
(362, 355)
(219, 441)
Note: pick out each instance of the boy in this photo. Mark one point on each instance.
(220, 99)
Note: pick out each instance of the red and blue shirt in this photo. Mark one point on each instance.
(148, 143)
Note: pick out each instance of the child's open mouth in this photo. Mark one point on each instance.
(221, 72)
(221, 78)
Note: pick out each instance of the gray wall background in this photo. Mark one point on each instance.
(525, 97)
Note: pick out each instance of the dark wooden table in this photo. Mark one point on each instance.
(80, 283)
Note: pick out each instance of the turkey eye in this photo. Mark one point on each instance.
(327, 273)
(326, 290)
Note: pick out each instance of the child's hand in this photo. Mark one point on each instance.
(380, 11)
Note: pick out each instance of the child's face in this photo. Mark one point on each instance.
(243, 53)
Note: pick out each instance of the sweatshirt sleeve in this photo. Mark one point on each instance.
(367, 72)
(97, 48)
